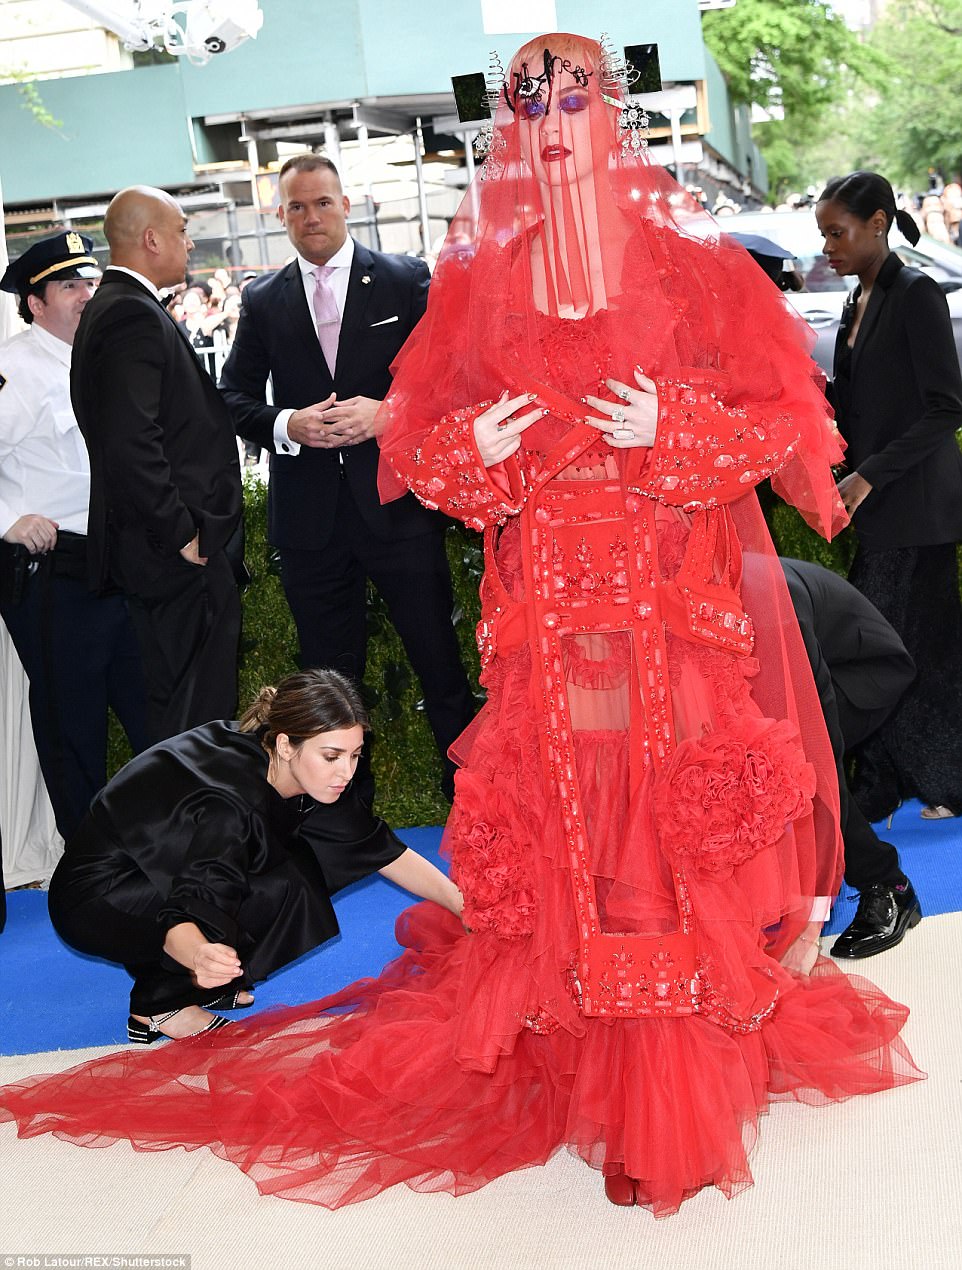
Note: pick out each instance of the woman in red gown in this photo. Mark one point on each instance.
(645, 821)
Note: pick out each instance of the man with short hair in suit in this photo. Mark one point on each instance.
(165, 496)
(325, 330)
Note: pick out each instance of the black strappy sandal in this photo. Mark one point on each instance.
(146, 1033)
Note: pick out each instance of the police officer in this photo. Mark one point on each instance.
(78, 649)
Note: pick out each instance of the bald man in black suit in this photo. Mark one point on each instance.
(165, 495)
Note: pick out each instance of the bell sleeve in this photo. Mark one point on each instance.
(445, 473)
(349, 842)
(213, 880)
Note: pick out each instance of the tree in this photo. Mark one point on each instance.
(787, 56)
(796, 60)
(914, 124)
(942, 13)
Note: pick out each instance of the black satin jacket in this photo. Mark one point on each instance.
(193, 825)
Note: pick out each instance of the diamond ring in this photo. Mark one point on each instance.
(623, 434)
(624, 394)
(618, 416)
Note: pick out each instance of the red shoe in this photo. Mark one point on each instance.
(620, 1190)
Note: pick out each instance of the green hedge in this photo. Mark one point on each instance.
(406, 764)
(407, 767)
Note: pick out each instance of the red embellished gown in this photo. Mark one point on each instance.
(633, 773)
(645, 816)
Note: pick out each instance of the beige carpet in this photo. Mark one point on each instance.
(872, 1184)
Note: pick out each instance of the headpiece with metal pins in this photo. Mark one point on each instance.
(633, 119)
(486, 145)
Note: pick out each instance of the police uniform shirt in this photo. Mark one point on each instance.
(44, 469)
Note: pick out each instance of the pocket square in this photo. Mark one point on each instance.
(385, 321)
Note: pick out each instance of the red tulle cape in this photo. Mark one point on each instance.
(332, 1102)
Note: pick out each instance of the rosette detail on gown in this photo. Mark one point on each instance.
(646, 809)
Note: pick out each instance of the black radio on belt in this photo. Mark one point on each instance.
(17, 564)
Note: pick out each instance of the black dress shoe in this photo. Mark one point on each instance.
(883, 916)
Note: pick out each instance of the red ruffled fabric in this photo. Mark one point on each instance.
(335, 1110)
(727, 795)
(466, 1058)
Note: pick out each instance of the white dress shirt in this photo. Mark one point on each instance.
(341, 263)
(44, 469)
(144, 282)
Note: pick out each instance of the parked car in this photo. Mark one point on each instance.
(824, 293)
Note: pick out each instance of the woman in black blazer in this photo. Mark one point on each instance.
(897, 394)
(208, 862)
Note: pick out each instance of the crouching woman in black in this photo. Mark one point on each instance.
(209, 860)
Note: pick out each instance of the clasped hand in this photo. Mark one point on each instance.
(627, 423)
(632, 420)
(211, 965)
(330, 424)
(214, 965)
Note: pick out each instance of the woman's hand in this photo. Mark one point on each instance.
(214, 965)
(633, 420)
(211, 965)
(497, 431)
(802, 955)
(420, 877)
(853, 490)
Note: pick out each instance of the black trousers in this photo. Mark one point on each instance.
(187, 621)
(867, 858)
(917, 751)
(81, 656)
(121, 926)
(132, 936)
(326, 591)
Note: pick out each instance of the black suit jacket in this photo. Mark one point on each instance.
(866, 658)
(275, 338)
(163, 457)
(904, 407)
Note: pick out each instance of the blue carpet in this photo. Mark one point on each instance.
(53, 998)
(930, 852)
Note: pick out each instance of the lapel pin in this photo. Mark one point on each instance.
(365, 280)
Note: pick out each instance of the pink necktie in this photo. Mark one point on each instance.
(328, 318)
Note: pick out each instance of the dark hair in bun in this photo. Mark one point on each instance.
(865, 193)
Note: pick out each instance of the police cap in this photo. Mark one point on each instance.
(54, 259)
